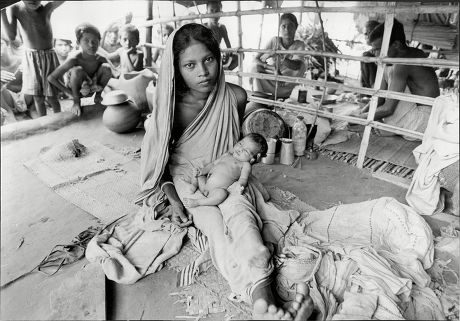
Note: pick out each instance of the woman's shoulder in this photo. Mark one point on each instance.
(240, 93)
(241, 98)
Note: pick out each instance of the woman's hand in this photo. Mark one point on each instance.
(178, 216)
(196, 172)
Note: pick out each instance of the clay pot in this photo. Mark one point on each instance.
(135, 83)
(121, 115)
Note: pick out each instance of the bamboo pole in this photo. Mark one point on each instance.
(148, 34)
(405, 8)
(378, 81)
(424, 62)
(325, 114)
(174, 13)
(240, 44)
(368, 91)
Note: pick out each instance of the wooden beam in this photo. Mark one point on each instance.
(367, 91)
(148, 35)
(404, 8)
(378, 81)
(322, 113)
(240, 44)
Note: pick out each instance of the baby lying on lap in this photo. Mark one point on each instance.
(234, 166)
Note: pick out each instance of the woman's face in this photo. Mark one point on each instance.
(287, 29)
(198, 67)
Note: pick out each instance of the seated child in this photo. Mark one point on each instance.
(234, 166)
(88, 72)
(130, 58)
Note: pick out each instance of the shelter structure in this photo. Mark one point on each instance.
(440, 18)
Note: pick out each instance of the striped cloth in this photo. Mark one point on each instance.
(37, 65)
(188, 274)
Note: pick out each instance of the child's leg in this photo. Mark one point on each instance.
(77, 76)
(39, 102)
(215, 197)
(54, 102)
(103, 75)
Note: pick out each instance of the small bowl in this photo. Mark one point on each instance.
(328, 99)
(115, 97)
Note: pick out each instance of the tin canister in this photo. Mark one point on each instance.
(269, 159)
(287, 151)
(271, 143)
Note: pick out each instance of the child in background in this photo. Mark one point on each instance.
(40, 59)
(62, 48)
(88, 72)
(130, 58)
(234, 166)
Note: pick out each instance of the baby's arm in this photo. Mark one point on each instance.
(244, 176)
(11, 27)
(55, 78)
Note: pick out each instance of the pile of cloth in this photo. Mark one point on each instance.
(372, 264)
(439, 151)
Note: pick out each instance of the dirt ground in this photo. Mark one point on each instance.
(34, 219)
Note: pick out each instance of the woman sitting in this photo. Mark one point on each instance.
(279, 64)
(197, 119)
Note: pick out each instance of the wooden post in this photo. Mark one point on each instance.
(240, 45)
(378, 81)
(148, 35)
(174, 13)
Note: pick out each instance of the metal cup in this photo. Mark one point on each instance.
(271, 142)
(269, 159)
(287, 151)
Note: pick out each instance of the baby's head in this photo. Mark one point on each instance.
(251, 148)
(129, 36)
(88, 38)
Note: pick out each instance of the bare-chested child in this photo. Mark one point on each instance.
(39, 58)
(129, 57)
(88, 72)
(234, 166)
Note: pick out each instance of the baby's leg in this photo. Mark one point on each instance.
(215, 197)
(103, 75)
(76, 78)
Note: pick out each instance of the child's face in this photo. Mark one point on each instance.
(128, 40)
(62, 48)
(213, 8)
(89, 43)
(32, 4)
(111, 38)
(245, 150)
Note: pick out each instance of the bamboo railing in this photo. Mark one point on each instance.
(390, 9)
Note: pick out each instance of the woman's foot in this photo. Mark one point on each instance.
(300, 309)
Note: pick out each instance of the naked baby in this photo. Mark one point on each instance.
(234, 166)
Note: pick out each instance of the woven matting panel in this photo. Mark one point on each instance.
(394, 149)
